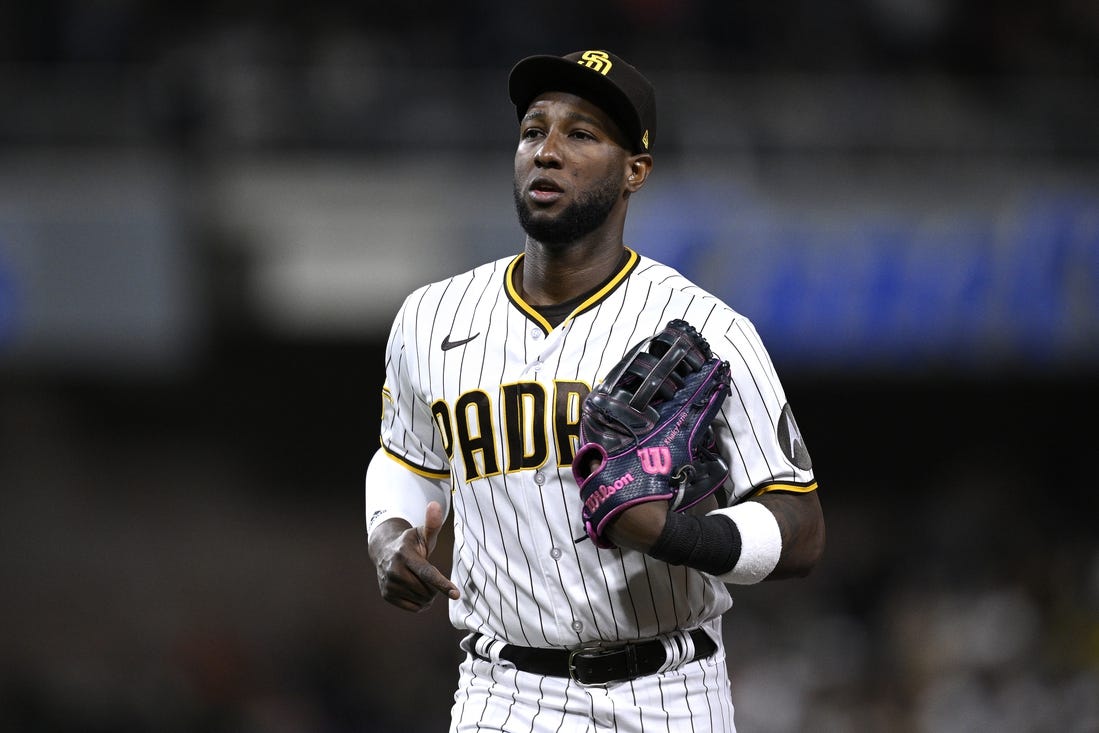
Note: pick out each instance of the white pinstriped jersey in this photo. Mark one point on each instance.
(482, 403)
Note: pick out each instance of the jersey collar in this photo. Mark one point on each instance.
(590, 302)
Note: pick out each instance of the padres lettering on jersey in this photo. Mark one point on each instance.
(532, 418)
(482, 398)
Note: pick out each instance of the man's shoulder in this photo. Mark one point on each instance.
(667, 277)
(676, 286)
(486, 272)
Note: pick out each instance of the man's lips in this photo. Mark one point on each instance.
(544, 190)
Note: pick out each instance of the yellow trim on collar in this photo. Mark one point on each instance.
(509, 283)
(513, 294)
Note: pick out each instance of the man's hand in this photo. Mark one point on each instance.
(639, 527)
(400, 552)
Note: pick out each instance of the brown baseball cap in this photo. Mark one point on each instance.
(598, 76)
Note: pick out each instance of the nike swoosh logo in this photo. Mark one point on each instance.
(448, 344)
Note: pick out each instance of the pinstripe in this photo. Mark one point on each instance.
(746, 409)
(525, 578)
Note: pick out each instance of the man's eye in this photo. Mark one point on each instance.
(530, 132)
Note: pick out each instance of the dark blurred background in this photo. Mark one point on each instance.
(209, 213)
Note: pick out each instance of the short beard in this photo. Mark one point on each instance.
(583, 216)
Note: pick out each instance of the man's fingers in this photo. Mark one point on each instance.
(432, 579)
(433, 523)
(416, 587)
(406, 577)
(430, 576)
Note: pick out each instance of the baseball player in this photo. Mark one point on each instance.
(573, 624)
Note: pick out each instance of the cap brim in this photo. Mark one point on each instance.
(535, 75)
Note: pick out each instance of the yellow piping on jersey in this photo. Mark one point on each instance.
(795, 488)
(631, 262)
(425, 472)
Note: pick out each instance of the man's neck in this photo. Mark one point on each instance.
(552, 275)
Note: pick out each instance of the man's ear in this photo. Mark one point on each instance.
(640, 166)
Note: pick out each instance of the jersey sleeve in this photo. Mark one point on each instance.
(408, 431)
(756, 428)
(411, 467)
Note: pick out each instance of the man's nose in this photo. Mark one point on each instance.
(548, 153)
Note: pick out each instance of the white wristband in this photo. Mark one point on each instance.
(760, 542)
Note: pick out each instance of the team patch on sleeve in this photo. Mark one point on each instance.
(789, 437)
(387, 401)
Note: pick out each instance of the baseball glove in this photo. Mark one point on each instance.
(645, 429)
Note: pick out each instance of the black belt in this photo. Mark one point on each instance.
(598, 665)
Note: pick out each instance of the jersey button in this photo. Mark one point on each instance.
(555, 553)
(536, 334)
(578, 626)
(539, 478)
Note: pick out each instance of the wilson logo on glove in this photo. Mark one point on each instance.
(645, 429)
(656, 460)
(605, 492)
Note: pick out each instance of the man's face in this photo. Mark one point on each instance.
(570, 168)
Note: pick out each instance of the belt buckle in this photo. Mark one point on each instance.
(591, 650)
